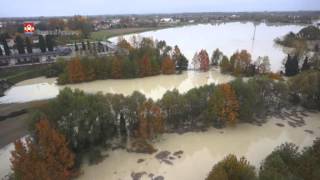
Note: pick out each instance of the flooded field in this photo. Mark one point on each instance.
(258, 39)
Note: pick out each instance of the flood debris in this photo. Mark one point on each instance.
(138, 175)
(177, 153)
(162, 155)
(280, 124)
(308, 131)
(158, 178)
(167, 162)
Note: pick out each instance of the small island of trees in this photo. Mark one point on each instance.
(142, 59)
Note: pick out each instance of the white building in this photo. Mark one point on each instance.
(166, 20)
(317, 23)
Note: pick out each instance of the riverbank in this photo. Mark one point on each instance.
(203, 149)
(12, 75)
(14, 120)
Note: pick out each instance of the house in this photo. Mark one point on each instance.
(34, 58)
(234, 16)
(169, 21)
(317, 23)
(102, 47)
(10, 42)
(166, 20)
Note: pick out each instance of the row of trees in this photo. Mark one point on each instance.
(285, 162)
(241, 64)
(24, 45)
(146, 59)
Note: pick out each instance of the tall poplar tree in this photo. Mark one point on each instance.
(1, 52)
(20, 45)
(42, 44)
(29, 45)
(50, 42)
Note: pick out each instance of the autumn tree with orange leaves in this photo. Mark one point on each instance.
(46, 156)
(240, 62)
(224, 106)
(168, 66)
(204, 60)
(116, 69)
(123, 43)
(151, 120)
(76, 72)
(145, 66)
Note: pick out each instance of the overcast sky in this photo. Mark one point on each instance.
(26, 8)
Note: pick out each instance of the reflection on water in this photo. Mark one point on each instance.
(5, 160)
(229, 37)
(203, 150)
(153, 87)
(5, 154)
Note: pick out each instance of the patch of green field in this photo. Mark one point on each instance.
(17, 74)
(105, 34)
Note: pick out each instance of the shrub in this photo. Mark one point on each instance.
(230, 168)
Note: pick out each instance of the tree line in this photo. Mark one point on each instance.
(25, 45)
(285, 162)
(241, 64)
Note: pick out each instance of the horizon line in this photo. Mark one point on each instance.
(159, 13)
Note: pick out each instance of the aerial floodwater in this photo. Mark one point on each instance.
(191, 155)
(157, 90)
(229, 37)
